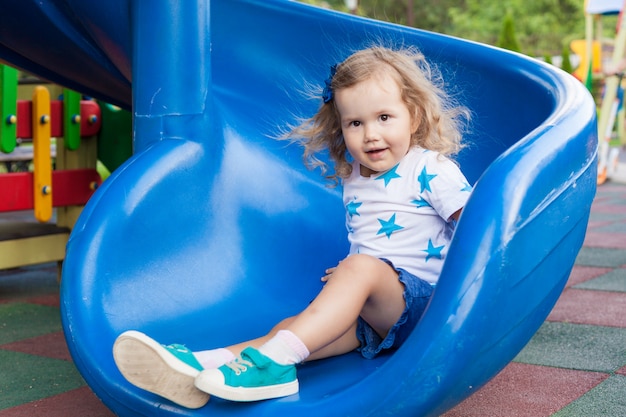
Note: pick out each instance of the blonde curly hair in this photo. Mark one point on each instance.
(440, 121)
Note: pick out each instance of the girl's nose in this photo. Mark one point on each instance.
(371, 133)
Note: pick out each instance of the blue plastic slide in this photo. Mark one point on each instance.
(213, 231)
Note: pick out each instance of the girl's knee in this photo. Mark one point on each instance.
(364, 263)
(283, 324)
(363, 270)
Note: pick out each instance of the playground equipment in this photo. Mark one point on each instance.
(212, 231)
(611, 137)
(68, 187)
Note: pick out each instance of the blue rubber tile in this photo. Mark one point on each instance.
(612, 258)
(608, 399)
(612, 281)
(576, 346)
(28, 378)
(21, 321)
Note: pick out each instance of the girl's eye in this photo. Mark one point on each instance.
(384, 117)
(355, 123)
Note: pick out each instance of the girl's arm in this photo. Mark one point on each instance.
(328, 273)
(455, 216)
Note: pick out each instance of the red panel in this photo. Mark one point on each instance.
(69, 187)
(16, 191)
(73, 187)
(90, 118)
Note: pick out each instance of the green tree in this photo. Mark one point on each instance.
(541, 26)
(507, 39)
(547, 58)
(566, 63)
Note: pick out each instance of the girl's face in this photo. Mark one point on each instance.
(376, 123)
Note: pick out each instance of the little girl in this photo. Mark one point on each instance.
(389, 131)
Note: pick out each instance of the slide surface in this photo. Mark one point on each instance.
(213, 231)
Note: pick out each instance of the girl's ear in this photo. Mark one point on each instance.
(415, 121)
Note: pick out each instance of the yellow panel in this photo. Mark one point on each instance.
(32, 250)
(579, 47)
(41, 154)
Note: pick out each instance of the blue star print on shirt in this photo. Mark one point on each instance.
(420, 203)
(389, 175)
(433, 251)
(424, 179)
(352, 208)
(466, 187)
(389, 226)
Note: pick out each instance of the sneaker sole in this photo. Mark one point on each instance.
(247, 394)
(147, 365)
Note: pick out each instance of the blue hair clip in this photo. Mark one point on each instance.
(327, 94)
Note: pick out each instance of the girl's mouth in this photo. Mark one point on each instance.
(375, 153)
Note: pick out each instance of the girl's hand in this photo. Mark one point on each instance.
(328, 273)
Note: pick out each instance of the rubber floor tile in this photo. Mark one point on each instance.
(608, 205)
(602, 257)
(598, 221)
(522, 390)
(27, 378)
(79, 402)
(582, 273)
(605, 400)
(51, 300)
(51, 345)
(617, 225)
(576, 346)
(614, 280)
(21, 321)
(27, 282)
(601, 308)
(606, 239)
(605, 214)
(605, 222)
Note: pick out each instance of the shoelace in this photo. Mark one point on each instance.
(179, 348)
(239, 365)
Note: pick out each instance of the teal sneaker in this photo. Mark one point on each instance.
(251, 377)
(168, 371)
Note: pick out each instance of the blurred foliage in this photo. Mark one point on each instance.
(507, 39)
(542, 27)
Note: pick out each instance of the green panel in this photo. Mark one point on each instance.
(115, 139)
(71, 119)
(8, 108)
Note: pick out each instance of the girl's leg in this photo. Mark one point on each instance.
(360, 286)
(344, 344)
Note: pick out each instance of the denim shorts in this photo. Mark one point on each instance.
(417, 293)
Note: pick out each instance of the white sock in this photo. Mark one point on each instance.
(285, 348)
(214, 358)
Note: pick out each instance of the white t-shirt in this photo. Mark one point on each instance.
(403, 215)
